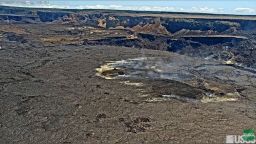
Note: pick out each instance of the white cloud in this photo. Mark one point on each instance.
(206, 10)
(203, 9)
(154, 8)
(139, 8)
(245, 10)
(43, 4)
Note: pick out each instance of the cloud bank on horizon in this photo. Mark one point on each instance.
(246, 7)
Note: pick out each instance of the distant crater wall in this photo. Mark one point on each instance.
(112, 20)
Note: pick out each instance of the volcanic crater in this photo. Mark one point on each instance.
(106, 76)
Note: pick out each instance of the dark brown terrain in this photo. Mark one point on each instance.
(102, 76)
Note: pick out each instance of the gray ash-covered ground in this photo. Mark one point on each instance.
(111, 77)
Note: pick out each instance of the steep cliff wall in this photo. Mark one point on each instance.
(109, 19)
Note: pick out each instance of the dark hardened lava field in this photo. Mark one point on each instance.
(102, 76)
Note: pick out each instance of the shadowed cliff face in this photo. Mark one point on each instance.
(222, 37)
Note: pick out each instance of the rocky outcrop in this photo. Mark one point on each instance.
(13, 37)
(175, 25)
(102, 23)
(46, 16)
(151, 28)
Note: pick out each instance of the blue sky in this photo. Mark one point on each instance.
(242, 7)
